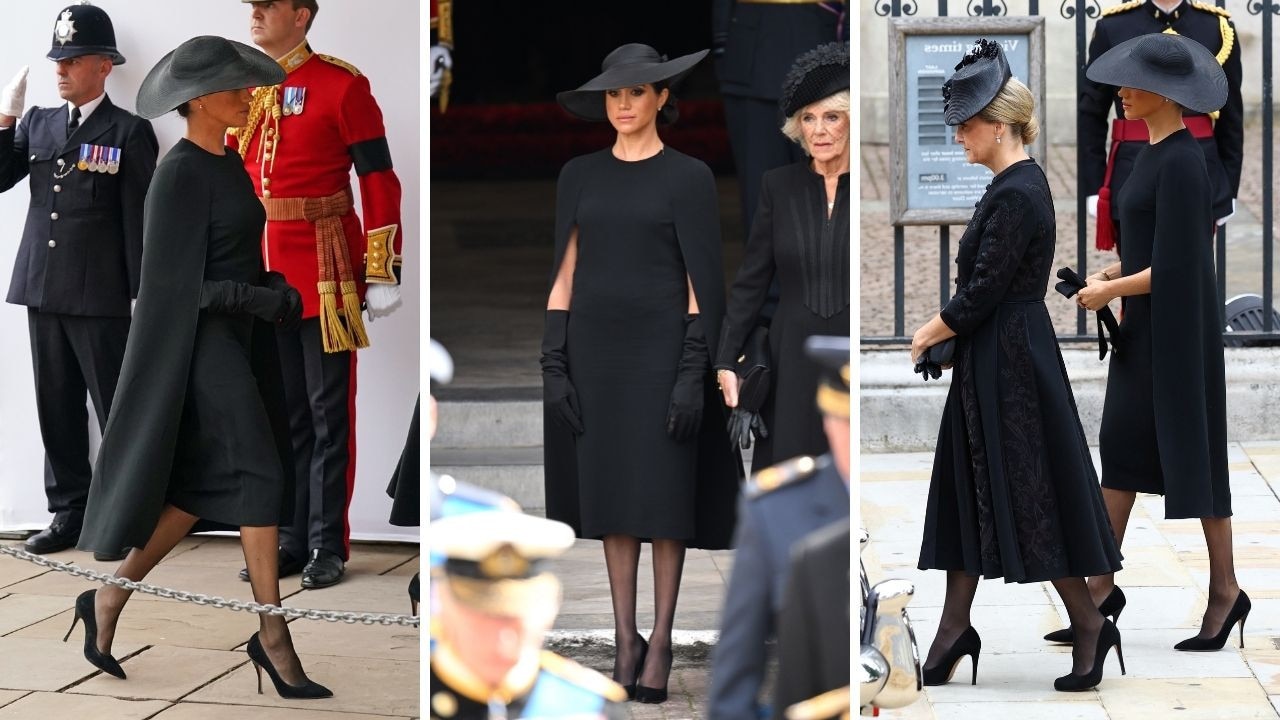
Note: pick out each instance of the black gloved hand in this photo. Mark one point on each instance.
(743, 424)
(684, 417)
(290, 311)
(557, 391)
(278, 307)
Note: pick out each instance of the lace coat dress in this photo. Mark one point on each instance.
(1014, 493)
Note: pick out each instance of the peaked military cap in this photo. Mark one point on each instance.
(83, 29)
(496, 561)
(831, 353)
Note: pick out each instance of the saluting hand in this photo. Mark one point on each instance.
(13, 98)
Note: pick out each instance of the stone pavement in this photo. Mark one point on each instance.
(187, 662)
(1165, 579)
(584, 629)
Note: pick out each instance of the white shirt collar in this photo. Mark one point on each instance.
(86, 109)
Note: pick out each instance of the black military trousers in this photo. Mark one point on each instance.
(318, 393)
(72, 355)
(758, 145)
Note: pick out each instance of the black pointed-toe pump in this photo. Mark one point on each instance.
(1239, 612)
(84, 611)
(969, 643)
(306, 691)
(1111, 607)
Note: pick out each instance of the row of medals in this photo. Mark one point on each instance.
(99, 158)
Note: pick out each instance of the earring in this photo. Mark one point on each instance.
(997, 139)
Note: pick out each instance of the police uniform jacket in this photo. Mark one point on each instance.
(81, 247)
(1200, 21)
(310, 154)
(780, 506)
(762, 40)
(560, 689)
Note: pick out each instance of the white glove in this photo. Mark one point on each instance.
(1223, 220)
(1091, 205)
(381, 299)
(14, 96)
(441, 60)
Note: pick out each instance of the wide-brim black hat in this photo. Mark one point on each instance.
(84, 30)
(1173, 66)
(628, 65)
(203, 65)
(815, 75)
(977, 80)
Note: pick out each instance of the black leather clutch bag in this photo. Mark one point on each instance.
(933, 360)
(752, 370)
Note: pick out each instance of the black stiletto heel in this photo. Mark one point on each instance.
(414, 594)
(1108, 636)
(969, 643)
(631, 688)
(651, 695)
(1111, 607)
(1239, 612)
(84, 611)
(306, 691)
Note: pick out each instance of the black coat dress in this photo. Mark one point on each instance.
(198, 420)
(794, 240)
(1164, 421)
(645, 230)
(1013, 493)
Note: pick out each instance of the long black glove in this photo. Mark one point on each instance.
(1073, 283)
(557, 392)
(684, 417)
(279, 307)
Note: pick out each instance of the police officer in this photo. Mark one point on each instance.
(754, 43)
(780, 505)
(90, 164)
(497, 600)
(299, 145)
(1106, 167)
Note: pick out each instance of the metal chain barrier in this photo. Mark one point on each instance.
(212, 600)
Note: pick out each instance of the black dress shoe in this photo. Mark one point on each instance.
(287, 565)
(323, 569)
(60, 535)
(110, 557)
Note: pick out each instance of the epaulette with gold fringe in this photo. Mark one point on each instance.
(781, 475)
(340, 63)
(1210, 8)
(593, 681)
(1122, 7)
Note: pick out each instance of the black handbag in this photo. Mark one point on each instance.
(752, 369)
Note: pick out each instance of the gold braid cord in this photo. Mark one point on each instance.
(263, 103)
(1228, 39)
(1122, 7)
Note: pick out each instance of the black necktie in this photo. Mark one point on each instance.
(75, 120)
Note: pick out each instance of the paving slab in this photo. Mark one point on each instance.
(390, 685)
(357, 641)
(164, 622)
(165, 673)
(19, 611)
(1195, 698)
(205, 711)
(8, 696)
(50, 665)
(59, 706)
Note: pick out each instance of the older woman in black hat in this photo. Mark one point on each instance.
(197, 431)
(1164, 424)
(800, 237)
(1013, 493)
(636, 447)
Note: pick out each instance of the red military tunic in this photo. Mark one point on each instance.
(306, 151)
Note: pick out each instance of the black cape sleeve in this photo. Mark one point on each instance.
(1187, 364)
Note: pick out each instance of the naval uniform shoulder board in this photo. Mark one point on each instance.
(1122, 7)
(782, 475)
(576, 674)
(1210, 8)
(340, 63)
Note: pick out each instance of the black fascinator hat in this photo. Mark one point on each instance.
(815, 75)
(1174, 66)
(629, 65)
(976, 82)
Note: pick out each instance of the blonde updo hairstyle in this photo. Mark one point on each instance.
(1015, 107)
(791, 128)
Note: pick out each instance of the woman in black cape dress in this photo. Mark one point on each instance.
(800, 236)
(1013, 493)
(636, 447)
(1164, 420)
(198, 431)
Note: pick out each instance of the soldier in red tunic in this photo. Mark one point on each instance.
(299, 145)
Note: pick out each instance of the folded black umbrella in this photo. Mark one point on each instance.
(1073, 283)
